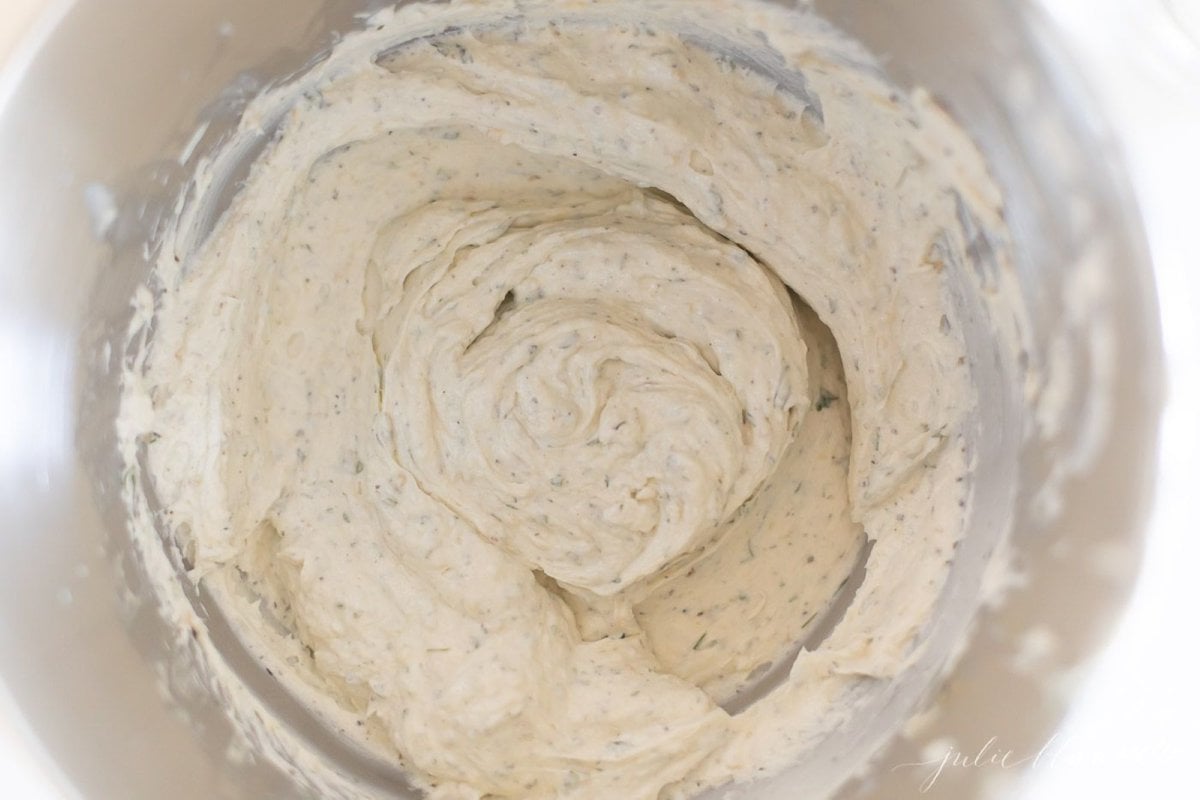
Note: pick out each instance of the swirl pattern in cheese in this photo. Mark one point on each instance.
(595, 387)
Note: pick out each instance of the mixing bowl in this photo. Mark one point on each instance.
(103, 115)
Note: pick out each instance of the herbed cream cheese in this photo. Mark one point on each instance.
(551, 373)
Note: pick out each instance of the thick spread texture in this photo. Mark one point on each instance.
(551, 373)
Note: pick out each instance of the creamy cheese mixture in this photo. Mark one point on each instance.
(552, 372)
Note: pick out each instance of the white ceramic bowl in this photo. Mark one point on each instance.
(98, 133)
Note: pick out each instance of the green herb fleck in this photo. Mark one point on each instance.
(825, 399)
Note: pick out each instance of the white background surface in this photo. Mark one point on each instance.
(14, 16)
(1133, 730)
